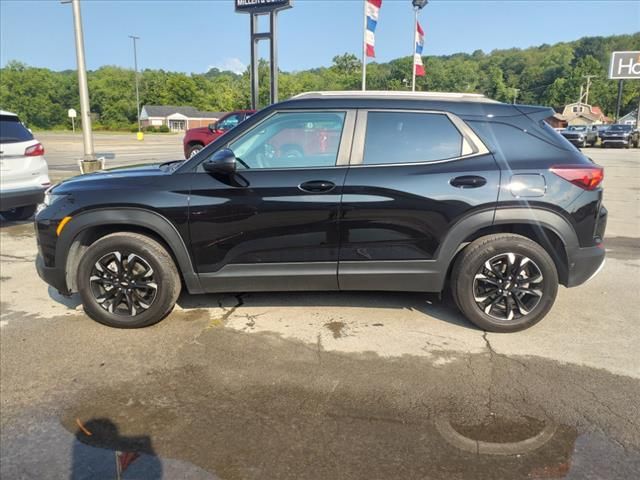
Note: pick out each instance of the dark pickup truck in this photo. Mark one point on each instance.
(196, 139)
(581, 135)
(620, 135)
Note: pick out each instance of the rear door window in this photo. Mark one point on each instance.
(12, 130)
(410, 137)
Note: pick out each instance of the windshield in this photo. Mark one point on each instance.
(12, 130)
(620, 128)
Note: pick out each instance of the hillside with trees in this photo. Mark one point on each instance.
(548, 75)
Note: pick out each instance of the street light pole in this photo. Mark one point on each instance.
(135, 67)
(89, 163)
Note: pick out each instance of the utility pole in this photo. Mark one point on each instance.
(135, 67)
(89, 162)
(586, 95)
(619, 100)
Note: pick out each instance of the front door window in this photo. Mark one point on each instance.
(291, 140)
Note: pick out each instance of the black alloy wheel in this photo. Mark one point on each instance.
(123, 283)
(128, 280)
(504, 282)
(508, 286)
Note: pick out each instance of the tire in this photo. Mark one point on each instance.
(193, 149)
(535, 298)
(19, 213)
(583, 144)
(150, 304)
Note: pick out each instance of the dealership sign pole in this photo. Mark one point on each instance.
(624, 65)
(256, 8)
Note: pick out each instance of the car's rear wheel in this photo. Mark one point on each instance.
(19, 213)
(504, 282)
(128, 280)
(194, 149)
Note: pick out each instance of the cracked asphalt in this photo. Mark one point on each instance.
(326, 385)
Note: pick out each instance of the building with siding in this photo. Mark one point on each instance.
(177, 118)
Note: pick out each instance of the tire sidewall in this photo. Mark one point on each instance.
(161, 305)
(197, 147)
(465, 279)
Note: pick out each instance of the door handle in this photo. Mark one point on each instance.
(468, 181)
(317, 186)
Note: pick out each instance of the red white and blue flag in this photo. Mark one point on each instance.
(372, 9)
(417, 57)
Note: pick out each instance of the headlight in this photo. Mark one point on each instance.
(51, 198)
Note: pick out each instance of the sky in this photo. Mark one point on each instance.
(194, 35)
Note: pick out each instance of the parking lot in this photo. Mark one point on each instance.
(322, 385)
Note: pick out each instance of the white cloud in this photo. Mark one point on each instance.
(234, 65)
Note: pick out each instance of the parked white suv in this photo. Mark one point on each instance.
(24, 175)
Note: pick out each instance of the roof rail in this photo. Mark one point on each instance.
(477, 97)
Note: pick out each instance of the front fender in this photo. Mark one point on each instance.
(128, 217)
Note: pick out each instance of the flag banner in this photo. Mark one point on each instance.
(417, 57)
(372, 9)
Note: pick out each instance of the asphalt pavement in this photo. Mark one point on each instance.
(323, 385)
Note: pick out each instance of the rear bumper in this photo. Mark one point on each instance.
(52, 275)
(20, 198)
(584, 264)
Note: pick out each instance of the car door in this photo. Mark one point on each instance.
(413, 175)
(276, 219)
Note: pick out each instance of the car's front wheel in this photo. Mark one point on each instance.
(127, 280)
(504, 282)
(194, 149)
(19, 213)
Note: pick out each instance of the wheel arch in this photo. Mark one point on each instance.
(547, 228)
(88, 226)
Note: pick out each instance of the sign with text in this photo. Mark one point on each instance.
(624, 65)
(261, 6)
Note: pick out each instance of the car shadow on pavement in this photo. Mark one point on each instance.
(72, 302)
(428, 304)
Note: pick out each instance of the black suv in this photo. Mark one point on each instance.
(340, 191)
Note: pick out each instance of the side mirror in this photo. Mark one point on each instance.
(223, 161)
(213, 126)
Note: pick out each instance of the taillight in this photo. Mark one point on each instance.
(584, 176)
(34, 150)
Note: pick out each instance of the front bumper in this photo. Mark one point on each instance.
(20, 198)
(616, 141)
(584, 264)
(52, 275)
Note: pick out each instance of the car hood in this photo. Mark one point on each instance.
(136, 173)
(199, 130)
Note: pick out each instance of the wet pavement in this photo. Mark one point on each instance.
(323, 385)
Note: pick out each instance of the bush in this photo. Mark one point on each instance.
(150, 129)
(163, 129)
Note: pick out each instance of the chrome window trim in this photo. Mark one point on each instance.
(469, 138)
(344, 149)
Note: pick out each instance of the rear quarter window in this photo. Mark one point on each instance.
(510, 143)
(12, 130)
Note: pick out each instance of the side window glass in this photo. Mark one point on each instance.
(292, 140)
(229, 122)
(407, 137)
